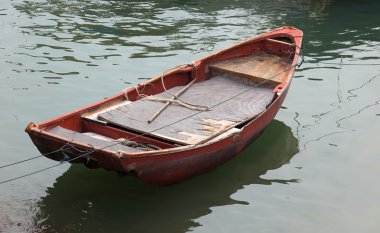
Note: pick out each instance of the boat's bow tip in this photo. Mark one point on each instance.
(296, 33)
(30, 126)
(289, 29)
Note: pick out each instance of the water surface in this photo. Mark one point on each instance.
(315, 169)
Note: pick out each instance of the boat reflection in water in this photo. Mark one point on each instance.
(85, 200)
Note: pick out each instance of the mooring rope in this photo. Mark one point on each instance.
(35, 157)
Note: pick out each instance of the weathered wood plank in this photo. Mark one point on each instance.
(233, 110)
(86, 139)
(263, 68)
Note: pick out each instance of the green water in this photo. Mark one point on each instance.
(315, 169)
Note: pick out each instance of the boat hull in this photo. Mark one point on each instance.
(169, 168)
(167, 165)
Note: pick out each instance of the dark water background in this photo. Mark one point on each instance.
(315, 169)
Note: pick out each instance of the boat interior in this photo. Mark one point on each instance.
(227, 94)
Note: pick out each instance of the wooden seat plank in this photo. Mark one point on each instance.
(90, 140)
(259, 68)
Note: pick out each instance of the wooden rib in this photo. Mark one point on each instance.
(176, 95)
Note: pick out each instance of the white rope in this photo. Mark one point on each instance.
(180, 103)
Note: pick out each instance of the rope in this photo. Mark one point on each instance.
(25, 160)
(179, 102)
(349, 64)
(139, 145)
(36, 157)
(166, 71)
(177, 98)
(162, 81)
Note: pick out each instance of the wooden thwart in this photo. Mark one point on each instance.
(264, 68)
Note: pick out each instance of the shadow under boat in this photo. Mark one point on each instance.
(85, 200)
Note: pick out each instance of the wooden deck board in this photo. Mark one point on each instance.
(201, 126)
(85, 139)
(258, 68)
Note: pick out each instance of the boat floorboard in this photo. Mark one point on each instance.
(91, 140)
(231, 101)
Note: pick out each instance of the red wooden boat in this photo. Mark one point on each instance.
(210, 110)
